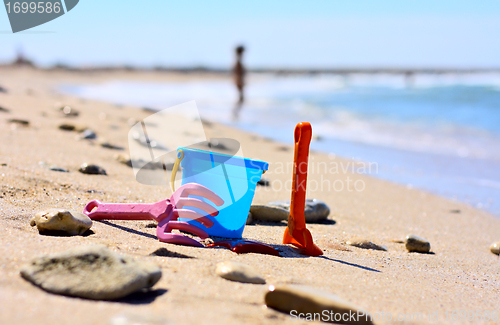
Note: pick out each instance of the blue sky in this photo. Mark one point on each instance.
(314, 33)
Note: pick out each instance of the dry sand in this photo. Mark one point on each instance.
(462, 274)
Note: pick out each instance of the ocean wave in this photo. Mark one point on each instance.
(447, 114)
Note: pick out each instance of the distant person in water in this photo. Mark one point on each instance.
(239, 80)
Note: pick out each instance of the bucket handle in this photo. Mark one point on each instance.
(180, 156)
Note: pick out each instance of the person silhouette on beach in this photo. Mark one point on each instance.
(239, 80)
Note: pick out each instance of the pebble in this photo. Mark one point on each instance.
(91, 169)
(92, 272)
(268, 213)
(69, 112)
(283, 148)
(216, 144)
(124, 159)
(72, 127)
(315, 210)
(495, 248)
(19, 121)
(108, 145)
(142, 164)
(308, 301)
(147, 142)
(366, 244)
(67, 127)
(235, 271)
(62, 221)
(58, 169)
(88, 135)
(417, 244)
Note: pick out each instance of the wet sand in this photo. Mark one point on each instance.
(460, 274)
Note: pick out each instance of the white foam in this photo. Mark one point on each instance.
(278, 103)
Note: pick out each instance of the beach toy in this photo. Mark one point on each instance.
(296, 233)
(232, 178)
(166, 213)
(241, 246)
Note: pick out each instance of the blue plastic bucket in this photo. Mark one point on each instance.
(230, 177)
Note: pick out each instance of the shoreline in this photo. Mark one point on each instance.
(280, 71)
(407, 152)
(392, 282)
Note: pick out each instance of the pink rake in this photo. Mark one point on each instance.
(165, 212)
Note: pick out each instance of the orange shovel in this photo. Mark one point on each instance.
(296, 233)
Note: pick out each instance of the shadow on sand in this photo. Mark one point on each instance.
(127, 229)
(142, 297)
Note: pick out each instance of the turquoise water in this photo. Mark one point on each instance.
(438, 133)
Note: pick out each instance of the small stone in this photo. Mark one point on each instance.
(61, 221)
(264, 182)
(238, 272)
(366, 244)
(124, 159)
(305, 300)
(69, 111)
(92, 272)
(19, 121)
(72, 127)
(495, 248)
(417, 244)
(88, 135)
(91, 170)
(108, 145)
(67, 127)
(142, 164)
(216, 144)
(315, 210)
(147, 141)
(283, 148)
(58, 169)
(268, 213)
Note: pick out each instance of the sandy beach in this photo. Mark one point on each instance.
(461, 274)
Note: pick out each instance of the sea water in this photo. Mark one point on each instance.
(440, 133)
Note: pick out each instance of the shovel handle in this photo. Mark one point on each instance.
(303, 135)
(97, 210)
